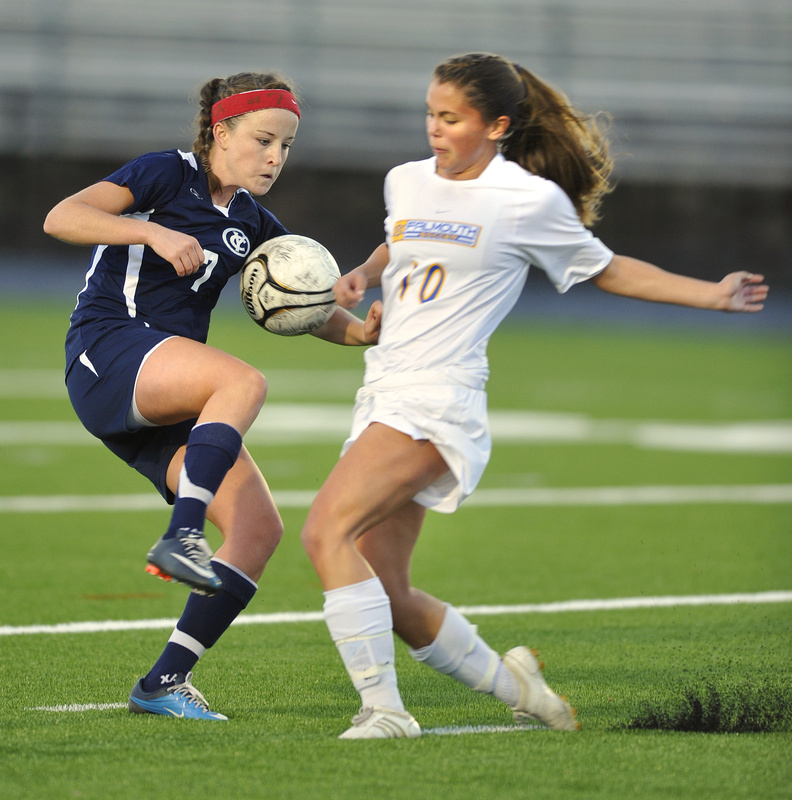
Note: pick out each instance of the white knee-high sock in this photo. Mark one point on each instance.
(458, 651)
(359, 619)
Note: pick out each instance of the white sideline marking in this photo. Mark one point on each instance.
(609, 604)
(327, 422)
(316, 616)
(572, 496)
(80, 707)
(444, 731)
(464, 729)
(296, 423)
(341, 383)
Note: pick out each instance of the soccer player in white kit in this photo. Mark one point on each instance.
(516, 176)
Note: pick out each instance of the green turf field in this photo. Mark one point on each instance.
(641, 465)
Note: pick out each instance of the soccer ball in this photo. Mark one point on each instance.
(287, 285)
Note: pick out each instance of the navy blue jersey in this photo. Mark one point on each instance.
(133, 284)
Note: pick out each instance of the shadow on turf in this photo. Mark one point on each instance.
(720, 706)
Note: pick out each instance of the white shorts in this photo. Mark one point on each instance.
(452, 417)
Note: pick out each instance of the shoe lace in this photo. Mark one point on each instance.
(362, 716)
(190, 693)
(195, 546)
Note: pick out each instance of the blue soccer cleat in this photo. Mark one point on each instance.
(184, 558)
(180, 699)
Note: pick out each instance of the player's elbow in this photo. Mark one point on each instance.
(54, 223)
(49, 225)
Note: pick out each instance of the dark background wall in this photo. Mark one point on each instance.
(700, 92)
(692, 228)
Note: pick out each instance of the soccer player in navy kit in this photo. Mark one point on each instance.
(170, 229)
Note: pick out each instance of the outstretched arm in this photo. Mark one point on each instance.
(738, 291)
(344, 327)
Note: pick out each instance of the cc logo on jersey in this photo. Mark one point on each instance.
(236, 241)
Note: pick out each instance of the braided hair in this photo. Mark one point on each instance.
(218, 89)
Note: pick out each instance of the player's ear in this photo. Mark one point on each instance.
(499, 128)
(220, 133)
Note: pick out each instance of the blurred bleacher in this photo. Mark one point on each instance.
(701, 90)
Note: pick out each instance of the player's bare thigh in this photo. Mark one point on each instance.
(381, 471)
(181, 376)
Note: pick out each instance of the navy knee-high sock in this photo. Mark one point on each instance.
(212, 449)
(205, 619)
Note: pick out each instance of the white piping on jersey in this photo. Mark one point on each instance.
(190, 159)
(96, 259)
(134, 262)
(193, 162)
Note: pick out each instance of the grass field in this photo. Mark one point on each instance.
(642, 465)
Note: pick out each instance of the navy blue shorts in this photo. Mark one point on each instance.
(101, 384)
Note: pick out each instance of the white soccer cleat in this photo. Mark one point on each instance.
(537, 700)
(382, 723)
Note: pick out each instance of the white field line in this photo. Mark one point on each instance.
(316, 616)
(21, 384)
(296, 423)
(292, 617)
(443, 731)
(465, 729)
(593, 496)
(462, 730)
(77, 707)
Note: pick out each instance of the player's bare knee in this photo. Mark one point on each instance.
(318, 541)
(310, 540)
(255, 386)
(272, 535)
(267, 534)
(260, 385)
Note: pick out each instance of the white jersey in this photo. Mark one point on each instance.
(459, 256)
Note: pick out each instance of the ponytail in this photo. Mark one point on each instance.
(547, 135)
(551, 138)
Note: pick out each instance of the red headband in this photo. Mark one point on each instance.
(243, 102)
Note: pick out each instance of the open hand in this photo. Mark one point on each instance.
(743, 291)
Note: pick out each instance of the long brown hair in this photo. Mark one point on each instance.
(547, 135)
(218, 89)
